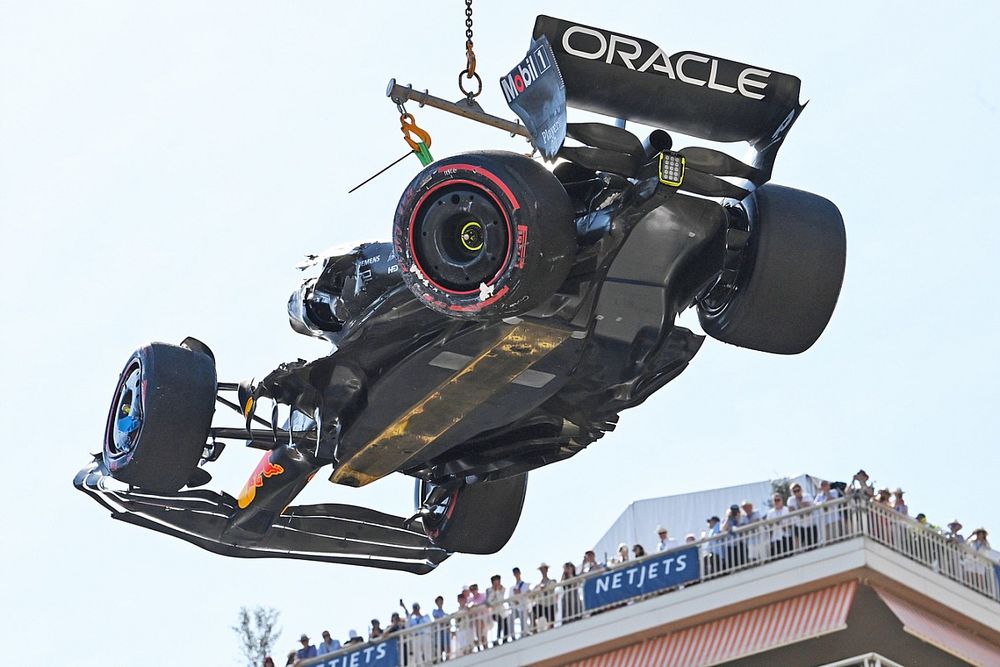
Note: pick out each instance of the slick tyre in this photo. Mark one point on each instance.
(160, 416)
(484, 235)
(789, 275)
(479, 518)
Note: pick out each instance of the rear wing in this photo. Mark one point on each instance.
(692, 93)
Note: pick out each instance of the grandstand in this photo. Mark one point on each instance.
(873, 588)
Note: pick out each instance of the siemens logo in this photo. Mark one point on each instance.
(690, 68)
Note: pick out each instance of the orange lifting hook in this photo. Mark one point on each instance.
(408, 126)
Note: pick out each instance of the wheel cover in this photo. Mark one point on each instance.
(460, 237)
(126, 416)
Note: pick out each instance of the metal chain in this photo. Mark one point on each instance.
(470, 58)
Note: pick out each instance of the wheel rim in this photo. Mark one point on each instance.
(733, 276)
(460, 237)
(437, 515)
(126, 412)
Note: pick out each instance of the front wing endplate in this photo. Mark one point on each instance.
(330, 533)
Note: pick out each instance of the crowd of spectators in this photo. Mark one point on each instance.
(500, 614)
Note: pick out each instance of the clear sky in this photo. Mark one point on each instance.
(164, 165)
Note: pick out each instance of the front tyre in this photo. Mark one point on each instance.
(484, 235)
(160, 416)
(789, 276)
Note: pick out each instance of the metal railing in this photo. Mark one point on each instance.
(488, 625)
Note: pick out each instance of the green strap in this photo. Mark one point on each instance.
(423, 154)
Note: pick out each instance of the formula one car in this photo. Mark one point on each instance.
(515, 313)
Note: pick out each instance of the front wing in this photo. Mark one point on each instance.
(330, 533)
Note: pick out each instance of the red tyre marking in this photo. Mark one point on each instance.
(522, 244)
(506, 219)
(479, 170)
(482, 304)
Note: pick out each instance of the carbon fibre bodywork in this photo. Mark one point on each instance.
(455, 402)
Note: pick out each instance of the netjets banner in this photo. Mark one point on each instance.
(665, 571)
(382, 654)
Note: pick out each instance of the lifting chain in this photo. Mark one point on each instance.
(470, 59)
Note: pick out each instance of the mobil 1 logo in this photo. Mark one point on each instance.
(535, 91)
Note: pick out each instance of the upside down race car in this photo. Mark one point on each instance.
(515, 313)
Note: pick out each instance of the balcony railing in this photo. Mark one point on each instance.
(485, 626)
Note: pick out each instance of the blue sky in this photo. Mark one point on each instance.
(164, 165)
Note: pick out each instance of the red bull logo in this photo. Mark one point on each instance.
(264, 469)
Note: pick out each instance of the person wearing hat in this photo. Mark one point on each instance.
(307, 650)
(736, 546)
(354, 638)
(665, 542)
(954, 534)
(979, 541)
(545, 609)
(328, 645)
(899, 504)
(860, 486)
(621, 556)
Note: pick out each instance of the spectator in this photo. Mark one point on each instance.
(480, 615)
(518, 607)
(781, 539)
(413, 617)
(495, 597)
(328, 645)
(979, 541)
(354, 638)
(690, 538)
(268, 661)
(442, 637)
(883, 497)
(545, 609)
(900, 505)
(572, 607)
(418, 643)
(590, 563)
(756, 544)
(954, 533)
(464, 626)
(736, 547)
(637, 551)
(291, 659)
(860, 486)
(805, 529)
(750, 515)
(826, 493)
(831, 519)
(396, 623)
(665, 542)
(622, 556)
(307, 650)
(713, 559)
(376, 630)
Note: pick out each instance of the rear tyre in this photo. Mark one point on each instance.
(484, 235)
(160, 416)
(789, 275)
(479, 518)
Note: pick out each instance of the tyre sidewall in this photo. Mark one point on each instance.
(539, 220)
(178, 400)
